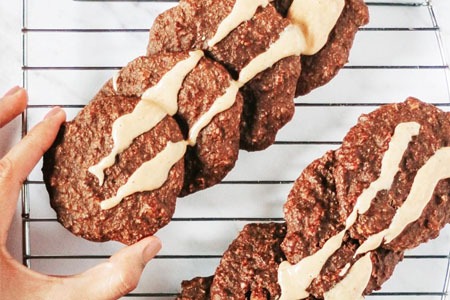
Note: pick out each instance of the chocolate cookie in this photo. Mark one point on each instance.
(360, 159)
(217, 147)
(187, 26)
(366, 193)
(248, 268)
(269, 96)
(320, 68)
(77, 193)
(196, 289)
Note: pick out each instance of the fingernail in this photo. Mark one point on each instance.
(13, 91)
(151, 249)
(55, 110)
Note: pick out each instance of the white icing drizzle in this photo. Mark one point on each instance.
(165, 92)
(428, 176)
(295, 279)
(220, 104)
(291, 42)
(114, 81)
(389, 165)
(125, 129)
(150, 175)
(156, 102)
(243, 10)
(353, 285)
(316, 18)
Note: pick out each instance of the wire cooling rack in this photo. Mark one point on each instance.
(70, 48)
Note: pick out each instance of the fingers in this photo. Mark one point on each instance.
(12, 104)
(25, 155)
(20, 160)
(107, 281)
(115, 278)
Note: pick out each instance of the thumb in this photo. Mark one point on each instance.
(129, 264)
(117, 277)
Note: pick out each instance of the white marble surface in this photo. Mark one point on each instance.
(314, 122)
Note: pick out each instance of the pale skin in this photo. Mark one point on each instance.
(109, 280)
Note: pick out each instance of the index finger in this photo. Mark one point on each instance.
(12, 104)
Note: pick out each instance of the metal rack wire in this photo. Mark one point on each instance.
(387, 64)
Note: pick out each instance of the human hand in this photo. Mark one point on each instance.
(109, 280)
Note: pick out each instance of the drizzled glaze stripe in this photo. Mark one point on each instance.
(221, 104)
(165, 92)
(389, 167)
(354, 284)
(125, 129)
(435, 169)
(243, 10)
(150, 175)
(156, 102)
(114, 81)
(308, 16)
(295, 279)
(291, 42)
